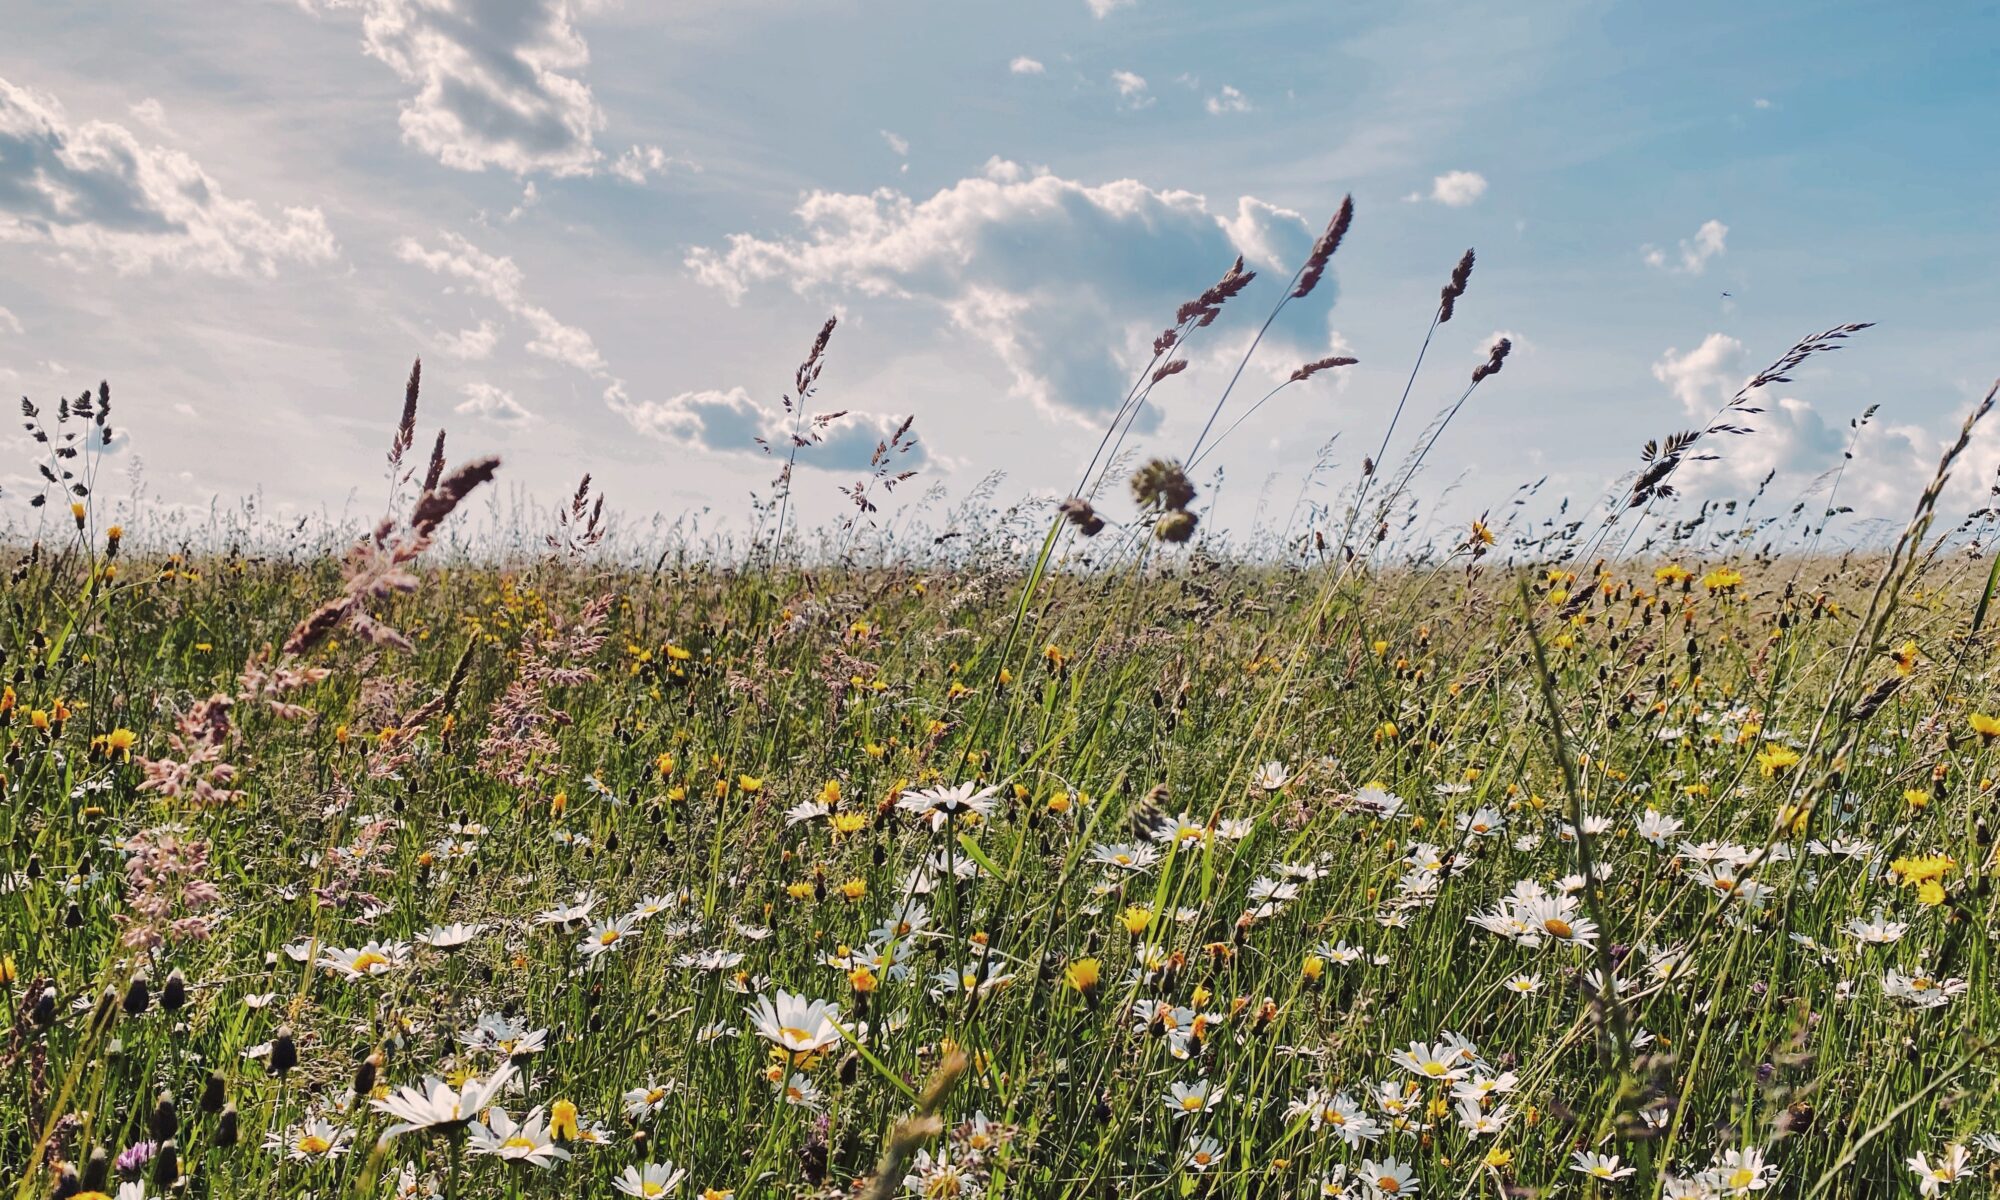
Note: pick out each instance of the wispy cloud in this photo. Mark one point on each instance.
(499, 280)
(491, 403)
(1104, 8)
(1132, 89)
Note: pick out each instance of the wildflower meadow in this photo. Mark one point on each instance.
(1047, 851)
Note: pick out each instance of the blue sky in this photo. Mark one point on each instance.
(612, 228)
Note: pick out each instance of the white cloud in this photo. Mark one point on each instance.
(1761, 102)
(1062, 281)
(95, 190)
(497, 82)
(896, 143)
(471, 345)
(1131, 89)
(1228, 100)
(640, 162)
(1104, 8)
(1456, 189)
(1710, 241)
(10, 322)
(491, 403)
(1026, 66)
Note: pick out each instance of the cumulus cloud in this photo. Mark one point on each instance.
(1710, 241)
(1789, 435)
(1026, 66)
(1132, 89)
(1104, 8)
(96, 191)
(1456, 189)
(1066, 283)
(497, 82)
(731, 422)
(487, 402)
(1228, 100)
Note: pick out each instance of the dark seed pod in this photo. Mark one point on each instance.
(138, 996)
(45, 1008)
(173, 997)
(227, 1128)
(167, 1165)
(212, 1097)
(97, 1170)
(67, 1184)
(165, 1120)
(364, 1075)
(284, 1052)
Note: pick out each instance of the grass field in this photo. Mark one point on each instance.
(1514, 869)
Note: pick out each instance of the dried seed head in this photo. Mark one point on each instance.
(1323, 364)
(1162, 484)
(1322, 251)
(1176, 526)
(1494, 358)
(1078, 512)
(1460, 276)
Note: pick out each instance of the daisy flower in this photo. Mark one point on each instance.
(643, 1102)
(527, 1141)
(939, 805)
(795, 1024)
(1388, 1177)
(434, 1104)
(315, 1140)
(654, 1179)
(1192, 1099)
(450, 937)
(609, 935)
(375, 958)
(1599, 1166)
(1949, 1167)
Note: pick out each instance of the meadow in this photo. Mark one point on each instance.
(1650, 856)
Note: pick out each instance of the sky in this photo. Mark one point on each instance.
(612, 228)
